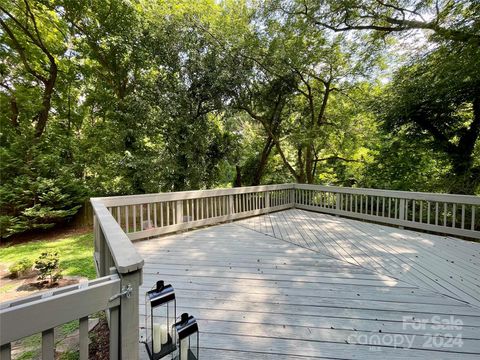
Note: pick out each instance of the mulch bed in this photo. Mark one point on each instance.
(99, 337)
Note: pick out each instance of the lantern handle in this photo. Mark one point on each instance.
(160, 285)
(183, 318)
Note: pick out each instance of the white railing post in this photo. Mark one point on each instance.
(267, 200)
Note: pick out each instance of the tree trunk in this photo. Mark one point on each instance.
(238, 177)
(466, 175)
(42, 116)
(262, 163)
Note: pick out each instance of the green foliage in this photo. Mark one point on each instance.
(436, 101)
(20, 267)
(117, 97)
(47, 265)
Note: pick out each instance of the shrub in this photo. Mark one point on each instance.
(47, 265)
(20, 267)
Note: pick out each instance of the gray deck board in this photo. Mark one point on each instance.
(259, 296)
(442, 264)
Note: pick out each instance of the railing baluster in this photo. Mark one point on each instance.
(149, 221)
(6, 352)
(436, 213)
(428, 212)
(114, 337)
(413, 210)
(168, 212)
(134, 218)
(127, 230)
(421, 211)
(454, 215)
(141, 217)
(48, 344)
(161, 214)
(473, 218)
(463, 217)
(83, 338)
(444, 214)
(155, 214)
(119, 217)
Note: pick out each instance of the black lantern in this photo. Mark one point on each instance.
(186, 338)
(160, 315)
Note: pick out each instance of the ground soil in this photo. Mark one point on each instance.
(99, 345)
(29, 285)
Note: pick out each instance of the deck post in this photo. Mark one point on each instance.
(267, 199)
(129, 318)
(292, 196)
(179, 211)
(337, 204)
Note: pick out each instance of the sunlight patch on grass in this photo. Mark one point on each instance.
(75, 252)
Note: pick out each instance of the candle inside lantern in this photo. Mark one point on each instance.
(163, 334)
(184, 349)
(157, 337)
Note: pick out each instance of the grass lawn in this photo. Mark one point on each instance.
(75, 252)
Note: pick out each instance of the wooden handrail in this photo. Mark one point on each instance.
(411, 195)
(185, 195)
(122, 251)
(441, 213)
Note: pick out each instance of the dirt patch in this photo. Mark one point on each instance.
(11, 289)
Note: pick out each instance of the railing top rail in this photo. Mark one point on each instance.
(411, 195)
(185, 195)
(124, 253)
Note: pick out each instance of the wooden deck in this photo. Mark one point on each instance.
(301, 285)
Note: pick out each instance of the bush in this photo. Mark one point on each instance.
(20, 267)
(47, 265)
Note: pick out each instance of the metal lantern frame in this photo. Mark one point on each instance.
(185, 329)
(161, 296)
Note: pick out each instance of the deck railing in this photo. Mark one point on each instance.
(42, 313)
(442, 213)
(119, 220)
(142, 216)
